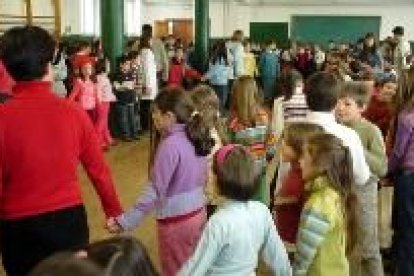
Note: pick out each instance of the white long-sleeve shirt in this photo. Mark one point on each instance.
(233, 239)
(350, 139)
(150, 74)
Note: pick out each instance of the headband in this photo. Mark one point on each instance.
(223, 152)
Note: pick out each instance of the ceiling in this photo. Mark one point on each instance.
(291, 2)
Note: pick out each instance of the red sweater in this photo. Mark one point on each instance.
(42, 141)
(288, 215)
(379, 113)
(6, 81)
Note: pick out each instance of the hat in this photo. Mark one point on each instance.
(398, 30)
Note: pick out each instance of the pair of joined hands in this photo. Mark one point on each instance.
(113, 226)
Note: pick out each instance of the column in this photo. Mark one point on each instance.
(112, 29)
(202, 33)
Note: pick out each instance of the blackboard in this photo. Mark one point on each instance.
(341, 29)
(276, 31)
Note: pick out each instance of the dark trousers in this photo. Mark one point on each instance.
(25, 242)
(129, 125)
(146, 114)
(404, 190)
(222, 92)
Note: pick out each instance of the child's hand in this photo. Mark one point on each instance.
(113, 226)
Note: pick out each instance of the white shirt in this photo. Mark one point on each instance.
(233, 239)
(350, 139)
(150, 74)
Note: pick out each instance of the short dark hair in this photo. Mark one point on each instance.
(356, 90)
(121, 256)
(322, 90)
(398, 30)
(133, 55)
(146, 30)
(237, 178)
(66, 264)
(26, 52)
(123, 59)
(100, 66)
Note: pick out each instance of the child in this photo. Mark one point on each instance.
(248, 125)
(176, 185)
(250, 67)
(327, 214)
(289, 199)
(207, 104)
(241, 229)
(122, 255)
(354, 97)
(107, 98)
(219, 73)
(179, 71)
(269, 69)
(138, 73)
(303, 61)
(401, 167)
(126, 98)
(380, 108)
(86, 91)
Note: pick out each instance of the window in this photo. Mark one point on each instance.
(90, 17)
(132, 17)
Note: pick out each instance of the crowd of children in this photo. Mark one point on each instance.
(340, 122)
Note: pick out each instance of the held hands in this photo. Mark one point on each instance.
(113, 226)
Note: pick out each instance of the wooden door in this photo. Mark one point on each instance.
(183, 28)
(161, 28)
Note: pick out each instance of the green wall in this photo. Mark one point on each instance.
(277, 31)
(321, 29)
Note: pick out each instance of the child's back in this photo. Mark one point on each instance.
(232, 239)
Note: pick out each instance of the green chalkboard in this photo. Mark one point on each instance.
(277, 31)
(321, 29)
(412, 46)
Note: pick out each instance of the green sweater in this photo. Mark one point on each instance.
(373, 143)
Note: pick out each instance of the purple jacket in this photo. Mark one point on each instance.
(176, 184)
(402, 155)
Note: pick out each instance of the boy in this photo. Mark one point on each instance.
(124, 84)
(269, 71)
(353, 98)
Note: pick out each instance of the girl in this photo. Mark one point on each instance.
(327, 214)
(289, 199)
(176, 185)
(207, 104)
(401, 167)
(248, 125)
(103, 109)
(370, 54)
(250, 68)
(241, 229)
(86, 91)
(269, 68)
(219, 73)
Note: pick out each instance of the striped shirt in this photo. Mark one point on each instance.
(295, 108)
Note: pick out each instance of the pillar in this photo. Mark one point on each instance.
(112, 29)
(202, 33)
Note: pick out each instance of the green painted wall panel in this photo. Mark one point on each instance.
(277, 31)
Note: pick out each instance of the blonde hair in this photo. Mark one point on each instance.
(245, 100)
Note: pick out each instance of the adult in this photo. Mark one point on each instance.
(236, 50)
(160, 54)
(43, 138)
(401, 49)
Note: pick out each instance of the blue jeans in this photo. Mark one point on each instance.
(404, 189)
(222, 92)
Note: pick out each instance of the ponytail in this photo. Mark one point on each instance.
(178, 102)
(198, 133)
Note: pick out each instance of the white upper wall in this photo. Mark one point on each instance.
(227, 16)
